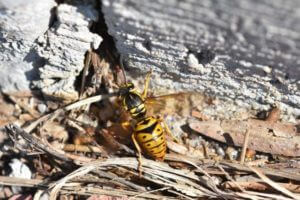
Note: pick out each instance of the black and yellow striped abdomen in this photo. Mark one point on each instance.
(150, 136)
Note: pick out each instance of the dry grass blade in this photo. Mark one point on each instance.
(183, 185)
(255, 196)
(265, 196)
(211, 183)
(118, 179)
(35, 142)
(38, 194)
(113, 192)
(68, 108)
(273, 184)
(259, 186)
(156, 172)
(179, 194)
(42, 145)
(268, 171)
(148, 192)
(211, 164)
(59, 184)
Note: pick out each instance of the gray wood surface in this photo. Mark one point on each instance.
(246, 51)
(243, 50)
(64, 46)
(21, 23)
(43, 45)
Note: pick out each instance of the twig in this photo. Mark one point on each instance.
(245, 145)
(23, 182)
(273, 184)
(211, 184)
(83, 148)
(85, 70)
(205, 149)
(231, 179)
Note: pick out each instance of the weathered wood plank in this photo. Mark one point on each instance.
(43, 44)
(243, 50)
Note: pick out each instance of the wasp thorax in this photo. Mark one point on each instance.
(134, 103)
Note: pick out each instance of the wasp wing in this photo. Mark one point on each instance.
(177, 103)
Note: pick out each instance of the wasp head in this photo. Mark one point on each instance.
(126, 88)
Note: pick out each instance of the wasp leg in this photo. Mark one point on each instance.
(167, 129)
(137, 146)
(144, 95)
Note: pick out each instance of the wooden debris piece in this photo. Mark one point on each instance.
(177, 147)
(276, 138)
(274, 115)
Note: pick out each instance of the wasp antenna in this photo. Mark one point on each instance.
(123, 69)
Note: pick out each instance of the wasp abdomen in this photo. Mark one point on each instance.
(150, 135)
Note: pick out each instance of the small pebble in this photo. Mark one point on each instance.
(193, 63)
(42, 108)
(267, 69)
(220, 151)
(19, 170)
(231, 153)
